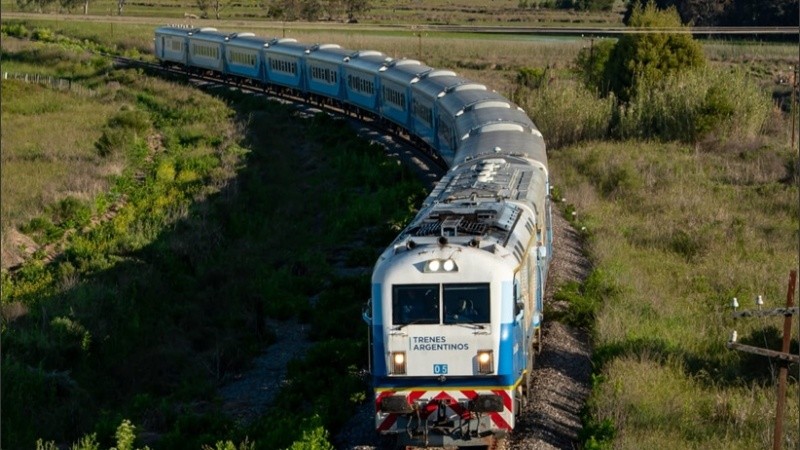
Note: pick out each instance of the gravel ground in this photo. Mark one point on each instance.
(563, 373)
(249, 394)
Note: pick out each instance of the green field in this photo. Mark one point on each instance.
(675, 228)
(473, 12)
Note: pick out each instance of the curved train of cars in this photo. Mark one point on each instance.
(456, 308)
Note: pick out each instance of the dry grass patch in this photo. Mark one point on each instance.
(48, 149)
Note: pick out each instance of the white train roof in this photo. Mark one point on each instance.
(461, 100)
(436, 83)
(330, 53)
(486, 204)
(495, 112)
(502, 139)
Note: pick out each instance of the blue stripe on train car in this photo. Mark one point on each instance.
(361, 82)
(284, 60)
(324, 75)
(243, 55)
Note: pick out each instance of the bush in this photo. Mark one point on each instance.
(71, 213)
(591, 64)
(42, 230)
(693, 105)
(532, 77)
(650, 56)
(122, 131)
(17, 30)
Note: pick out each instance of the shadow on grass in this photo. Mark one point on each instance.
(145, 324)
(717, 365)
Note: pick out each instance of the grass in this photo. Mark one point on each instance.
(503, 12)
(91, 340)
(678, 249)
(46, 153)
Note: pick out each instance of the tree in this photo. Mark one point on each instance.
(651, 56)
(727, 12)
(69, 5)
(218, 6)
(762, 13)
(203, 6)
(592, 61)
(353, 7)
(288, 10)
(38, 5)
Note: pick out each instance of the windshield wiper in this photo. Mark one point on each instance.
(403, 325)
(470, 325)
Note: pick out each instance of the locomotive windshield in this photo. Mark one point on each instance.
(421, 303)
(466, 303)
(417, 303)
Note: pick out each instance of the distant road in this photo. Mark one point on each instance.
(486, 29)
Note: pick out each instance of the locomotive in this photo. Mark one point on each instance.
(456, 305)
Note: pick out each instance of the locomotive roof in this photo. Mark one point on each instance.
(491, 178)
(480, 204)
(176, 30)
(289, 47)
(515, 140)
(248, 40)
(208, 34)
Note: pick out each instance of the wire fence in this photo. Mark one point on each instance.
(61, 84)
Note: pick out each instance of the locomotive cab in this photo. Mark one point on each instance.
(456, 308)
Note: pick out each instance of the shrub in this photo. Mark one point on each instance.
(71, 212)
(591, 64)
(532, 77)
(650, 56)
(137, 121)
(121, 131)
(690, 106)
(42, 230)
(16, 30)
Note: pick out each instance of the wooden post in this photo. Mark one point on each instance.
(792, 109)
(784, 366)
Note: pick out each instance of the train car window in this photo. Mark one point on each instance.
(466, 303)
(415, 304)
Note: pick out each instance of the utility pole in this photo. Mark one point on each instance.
(783, 356)
(792, 106)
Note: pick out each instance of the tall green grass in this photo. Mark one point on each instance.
(566, 112)
(681, 233)
(692, 105)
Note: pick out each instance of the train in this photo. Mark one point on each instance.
(455, 314)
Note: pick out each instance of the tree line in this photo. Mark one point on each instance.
(731, 13)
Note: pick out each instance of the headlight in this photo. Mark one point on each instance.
(441, 265)
(485, 361)
(449, 265)
(398, 363)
